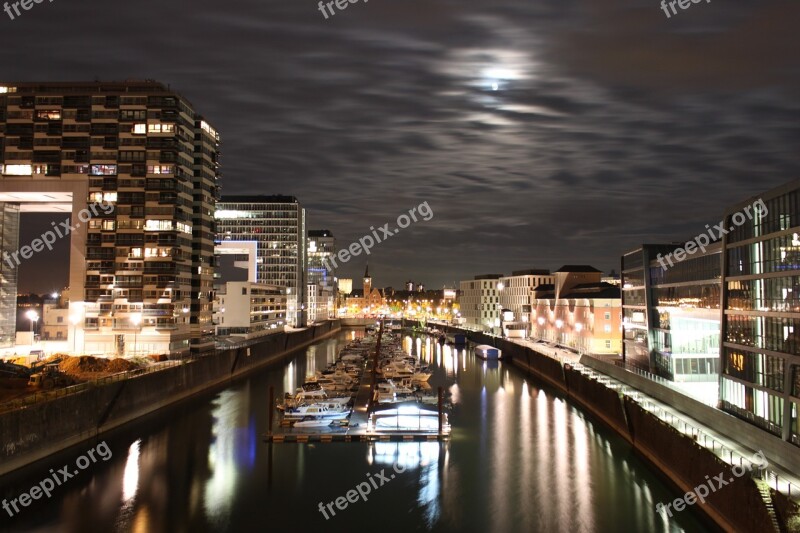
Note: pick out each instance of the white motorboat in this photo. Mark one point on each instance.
(316, 411)
(312, 422)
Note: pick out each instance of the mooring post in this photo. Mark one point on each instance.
(271, 407)
(441, 393)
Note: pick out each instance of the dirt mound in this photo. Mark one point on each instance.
(83, 364)
(121, 365)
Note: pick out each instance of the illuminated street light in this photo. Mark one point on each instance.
(33, 316)
(136, 319)
(74, 319)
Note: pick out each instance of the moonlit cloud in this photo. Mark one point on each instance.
(540, 133)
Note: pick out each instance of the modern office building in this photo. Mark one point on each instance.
(322, 291)
(247, 310)
(671, 316)
(517, 293)
(277, 225)
(321, 246)
(135, 168)
(579, 310)
(479, 302)
(760, 379)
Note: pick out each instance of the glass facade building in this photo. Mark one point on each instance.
(761, 323)
(671, 316)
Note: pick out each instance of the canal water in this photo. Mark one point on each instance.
(521, 459)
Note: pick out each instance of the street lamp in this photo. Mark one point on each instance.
(33, 316)
(74, 319)
(136, 319)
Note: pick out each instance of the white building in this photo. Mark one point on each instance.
(246, 309)
(278, 225)
(479, 302)
(321, 303)
(516, 294)
(55, 322)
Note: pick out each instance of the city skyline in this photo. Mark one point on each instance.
(377, 109)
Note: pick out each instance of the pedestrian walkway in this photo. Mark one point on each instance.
(723, 447)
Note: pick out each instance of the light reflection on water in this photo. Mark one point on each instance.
(520, 459)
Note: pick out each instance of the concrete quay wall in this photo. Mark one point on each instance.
(39, 430)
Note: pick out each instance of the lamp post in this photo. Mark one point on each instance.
(74, 319)
(136, 319)
(33, 316)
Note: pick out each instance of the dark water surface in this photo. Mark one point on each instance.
(520, 459)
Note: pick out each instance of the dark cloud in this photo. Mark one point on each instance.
(541, 133)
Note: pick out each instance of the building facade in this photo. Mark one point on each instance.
(248, 310)
(322, 287)
(671, 316)
(277, 225)
(760, 379)
(579, 311)
(517, 293)
(479, 302)
(369, 302)
(140, 265)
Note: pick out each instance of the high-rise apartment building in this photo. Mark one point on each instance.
(141, 268)
(277, 224)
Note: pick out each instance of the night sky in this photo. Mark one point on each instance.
(540, 133)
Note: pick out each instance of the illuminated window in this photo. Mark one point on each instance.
(109, 225)
(185, 228)
(161, 128)
(158, 225)
(18, 170)
(136, 252)
(94, 224)
(96, 197)
(139, 129)
(607, 328)
(103, 170)
(49, 114)
(159, 169)
(109, 197)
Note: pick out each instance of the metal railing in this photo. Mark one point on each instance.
(40, 397)
(717, 447)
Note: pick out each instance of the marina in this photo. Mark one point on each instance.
(374, 391)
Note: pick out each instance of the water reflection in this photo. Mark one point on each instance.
(426, 460)
(520, 459)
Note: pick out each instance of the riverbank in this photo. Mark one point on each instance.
(36, 431)
(747, 504)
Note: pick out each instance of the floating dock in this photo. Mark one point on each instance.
(358, 428)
